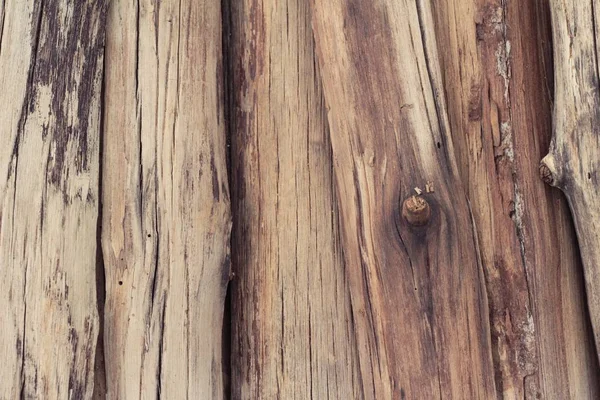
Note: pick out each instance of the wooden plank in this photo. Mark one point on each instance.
(418, 296)
(573, 161)
(51, 56)
(495, 61)
(292, 328)
(166, 215)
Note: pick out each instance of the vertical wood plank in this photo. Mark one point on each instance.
(418, 295)
(166, 215)
(51, 55)
(495, 62)
(292, 330)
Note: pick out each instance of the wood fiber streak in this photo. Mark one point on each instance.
(166, 215)
(573, 164)
(51, 58)
(495, 60)
(418, 296)
(292, 332)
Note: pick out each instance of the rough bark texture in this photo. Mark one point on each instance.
(418, 295)
(293, 335)
(51, 62)
(495, 60)
(166, 217)
(573, 164)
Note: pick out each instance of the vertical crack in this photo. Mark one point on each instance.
(2, 16)
(227, 97)
(138, 110)
(595, 37)
(14, 159)
(161, 346)
(99, 364)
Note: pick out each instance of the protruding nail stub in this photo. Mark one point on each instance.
(416, 211)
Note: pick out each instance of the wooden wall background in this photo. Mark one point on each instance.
(206, 199)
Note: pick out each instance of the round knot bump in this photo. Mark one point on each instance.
(416, 211)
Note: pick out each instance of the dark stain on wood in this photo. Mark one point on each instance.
(475, 103)
(215, 178)
(68, 58)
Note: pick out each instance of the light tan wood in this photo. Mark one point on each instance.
(166, 216)
(495, 60)
(572, 163)
(418, 295)
(292, 327)
(50, 85)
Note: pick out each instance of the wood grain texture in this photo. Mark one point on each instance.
(166, 214)
(292, 330)
(418, 296)
(495, 60)
(51, 55)
(573, 164)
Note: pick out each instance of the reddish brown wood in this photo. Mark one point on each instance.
(418, 296)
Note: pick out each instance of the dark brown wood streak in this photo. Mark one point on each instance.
(418, 296)
(51, 58)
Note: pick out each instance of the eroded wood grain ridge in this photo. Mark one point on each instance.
(292, 331)
(166, 216)
(495, 60)
(573, 162)
(418, 297)
(51, 55)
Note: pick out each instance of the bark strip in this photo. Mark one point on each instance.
(573, 162)
(496, 56)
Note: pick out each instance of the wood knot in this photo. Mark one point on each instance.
(416, 211)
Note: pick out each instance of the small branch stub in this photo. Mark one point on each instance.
(548, 170)
(546, 174)
(416, 211)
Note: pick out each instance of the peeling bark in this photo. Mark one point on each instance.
(51, 58)
(166, 215)
(418, 296)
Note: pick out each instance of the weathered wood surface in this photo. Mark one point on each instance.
(292, 330)
(166, 216)
(51, 57)
(341, 288)
(495, 59)
(573, 161)
(418, 294)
